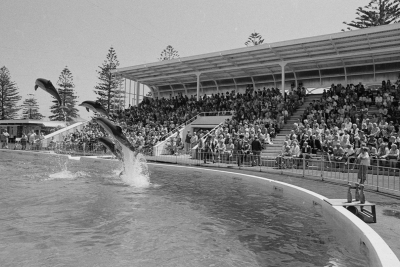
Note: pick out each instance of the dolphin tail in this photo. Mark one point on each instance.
(36, 87)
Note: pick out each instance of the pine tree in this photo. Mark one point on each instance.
(376, 13)
(168, 54)
(254, 39)
(9, 96)
(109, 94)
(68, 97)
(30, 109)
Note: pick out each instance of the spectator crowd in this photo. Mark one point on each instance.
(256, 113)
(349, 123)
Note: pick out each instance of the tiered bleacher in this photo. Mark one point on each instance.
(349, 124)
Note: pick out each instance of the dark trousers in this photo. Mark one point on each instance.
(240, 157)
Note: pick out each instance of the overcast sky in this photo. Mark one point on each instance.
(39, 38)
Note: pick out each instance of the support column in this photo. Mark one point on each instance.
(234, 81)
(125, 95)
(283, 64)
(254, 84)
(137, 93)
(186, 92)
(130, 91)
(216, 84)
(198, 85)
(152, 91)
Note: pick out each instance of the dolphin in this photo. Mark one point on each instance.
(111, 146)
(94, 106)
(114, 131)
(48, 87)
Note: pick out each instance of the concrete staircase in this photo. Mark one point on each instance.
(275, 149)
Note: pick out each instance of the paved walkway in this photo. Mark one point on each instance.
(387, 206)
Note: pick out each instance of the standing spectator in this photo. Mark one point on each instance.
(239, 149)
(201, 147)
(256, 147)
(364, 164)
(5, 137)
(194, 139)
(31, 139)
(187, 142)
(24, 140)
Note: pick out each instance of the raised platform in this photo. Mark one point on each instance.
(366, 215)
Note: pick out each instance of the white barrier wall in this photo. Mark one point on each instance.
(351, 231)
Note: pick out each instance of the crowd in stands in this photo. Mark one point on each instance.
(342, 126)
(258, 116)
(256, 113)
(81, 140)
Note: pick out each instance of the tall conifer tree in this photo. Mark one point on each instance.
(30, 109)
(9, 96)
(168, 53)
(107, 89)
(254, 39)
(68, 97)
(376, 13)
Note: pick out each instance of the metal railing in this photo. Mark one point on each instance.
(382, 175)
(378, 176)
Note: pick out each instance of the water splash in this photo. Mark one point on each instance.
(136, 172)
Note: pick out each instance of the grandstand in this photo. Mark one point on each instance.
(368, 56)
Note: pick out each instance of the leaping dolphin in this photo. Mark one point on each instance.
(94, 106)
(115, 131)
(48, 87)
(111, 146)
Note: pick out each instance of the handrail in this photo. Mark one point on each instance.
(200, 114)
(177, 128)
(206, 135)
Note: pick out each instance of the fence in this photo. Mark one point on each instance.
(82, 149)
(383, 175)
(379, 177)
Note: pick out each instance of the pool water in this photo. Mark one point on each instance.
(58, 213)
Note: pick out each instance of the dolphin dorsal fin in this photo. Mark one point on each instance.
(119, 129)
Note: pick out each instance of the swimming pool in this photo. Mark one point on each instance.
(76, 213)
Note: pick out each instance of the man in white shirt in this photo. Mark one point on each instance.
(32, 138)
(5, 138)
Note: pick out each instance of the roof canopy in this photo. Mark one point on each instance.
(302, 57)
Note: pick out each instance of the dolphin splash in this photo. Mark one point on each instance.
(47, 86)
(94, 106)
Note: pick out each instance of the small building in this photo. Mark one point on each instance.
(16, 127)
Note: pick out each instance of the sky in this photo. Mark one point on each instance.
(39, 38)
